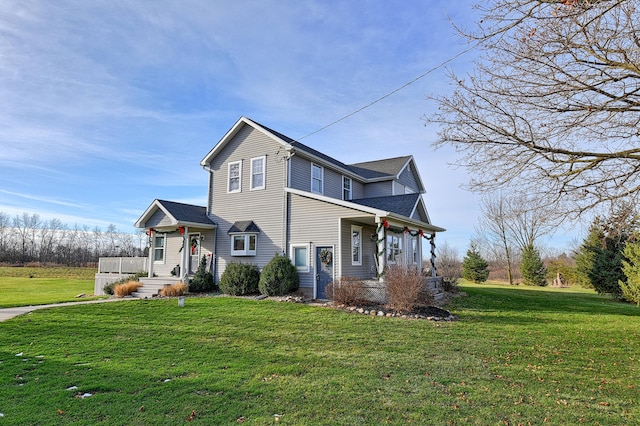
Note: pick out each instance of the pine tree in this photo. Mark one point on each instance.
(532, 268)
(474, 267)
(631, 268)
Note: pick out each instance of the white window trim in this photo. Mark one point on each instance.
(264, 173)
(163, 248)
(359, 261)
(246, 251)
(292, 248)
(321, 179)
(397, 257)
(345, 179)
(229, 191)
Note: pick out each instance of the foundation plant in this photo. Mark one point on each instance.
(406, 289)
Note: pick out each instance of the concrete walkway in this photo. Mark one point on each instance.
(8, 313)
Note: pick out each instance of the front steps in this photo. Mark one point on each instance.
(151, 287)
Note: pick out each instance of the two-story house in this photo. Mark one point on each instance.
(271, 194)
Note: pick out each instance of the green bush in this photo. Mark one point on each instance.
(240, 279)
(202, 281)
(109, 288)
(278, 277)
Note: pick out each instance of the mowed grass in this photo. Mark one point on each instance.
(516, 356)
(23, 286)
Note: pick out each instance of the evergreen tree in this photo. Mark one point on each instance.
(532, 268)
(631, 268)
(474, 267)
(202, 281)
(600, 256)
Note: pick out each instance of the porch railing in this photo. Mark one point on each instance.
(122, 265)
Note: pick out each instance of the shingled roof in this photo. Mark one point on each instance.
(399, 204)
(179, 213)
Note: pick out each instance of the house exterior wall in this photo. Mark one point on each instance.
(368, 268)
(378, 189)
(408, 179)
(263, 206)
(159, 218)
(317, 223)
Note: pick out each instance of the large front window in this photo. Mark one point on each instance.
(158, 248)
(243, 244)
(412, 250)
(235, 174)
(317, 178)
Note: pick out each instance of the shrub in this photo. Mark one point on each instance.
(108, 288)
(203, 280)
(405, 288)
(126, 289)
(278, 277)
(346, 291)
(240, 279)
(174, 290)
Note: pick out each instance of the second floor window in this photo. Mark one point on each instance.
(317, 177)
(257, 173)
(235, 174)
(346, 188)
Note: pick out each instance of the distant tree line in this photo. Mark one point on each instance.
(27, 238)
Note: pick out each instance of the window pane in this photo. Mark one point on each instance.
(158, 254)
(252, 243)
(234, 177)
(159, 242)
(300, 257)
(238, 242)
(257, 173)
(317, 172)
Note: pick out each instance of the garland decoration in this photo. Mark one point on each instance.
(325, 256)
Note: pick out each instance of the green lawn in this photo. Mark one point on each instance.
(518, 355)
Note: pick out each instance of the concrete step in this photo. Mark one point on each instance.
(151, 287)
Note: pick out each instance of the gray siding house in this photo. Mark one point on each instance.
(271, 194)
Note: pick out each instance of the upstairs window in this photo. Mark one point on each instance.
(346, 188)
(258, 173)
(235, 174)
(317, 178)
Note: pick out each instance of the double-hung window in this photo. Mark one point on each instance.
(356, 245)
(346, 188)
(244, 244)
(317, 178)
(394, 248)
(235, 176)
(158, 248)
(258, 173)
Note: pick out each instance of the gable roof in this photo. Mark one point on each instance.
(378, 170)
(243, 227)
(178, 214)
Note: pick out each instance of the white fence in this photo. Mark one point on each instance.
(122, 265)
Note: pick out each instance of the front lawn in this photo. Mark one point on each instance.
(516, 356)
(16, 291)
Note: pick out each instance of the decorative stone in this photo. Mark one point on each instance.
(380, 313)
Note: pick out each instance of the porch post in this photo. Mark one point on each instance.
(432, 241)
(184, 259)
(151, 253)
(380, 247)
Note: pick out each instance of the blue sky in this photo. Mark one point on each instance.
(105, 106)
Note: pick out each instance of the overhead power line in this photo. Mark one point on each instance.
(426, 73)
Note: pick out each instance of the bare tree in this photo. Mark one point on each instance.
(553, 108)
(493, 224)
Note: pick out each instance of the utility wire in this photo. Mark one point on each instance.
(453, 58)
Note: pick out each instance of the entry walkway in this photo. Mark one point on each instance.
(8, 313)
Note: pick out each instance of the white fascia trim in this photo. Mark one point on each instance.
(149, 211)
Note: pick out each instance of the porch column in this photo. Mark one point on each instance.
(151, 253)
(432, 241)
(380, 247)
(184, 259)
